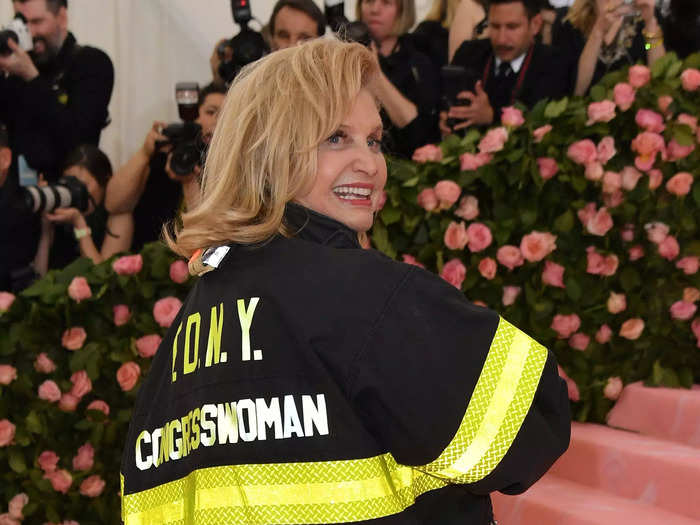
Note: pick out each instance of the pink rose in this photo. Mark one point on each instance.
(639, 75)
(447, 193)
(16, 505)
(617, 302)
(8, 373)
(494, 140)
(627, 233)
(487, 268)
(47, 461)
(650, 121)
(624, 95)
(630, 177)
(68, 402)
(540, 132)
(512, 117)
(85, 458)
(381, 201)
(479, 237)
(548, 167)
(100, 405)
(647, 145)
(510, 256)
(468, 208)
(675, 151)
(456, 236)
(535, 246)
(579, 341)
(7, 432)
(656, 232)
(128, 375)
(610, 264)
(61, 480)
(510, 294)
(128, 264)
(472, 162)
(695, 327)
(612, 182)
(680, 184)
(122, 314)
(553, 274)
(571, 386)
(688, 120)
(147, 345)
(79, 289)
(49, 391)
(165, 310)
(690, 78)
(613, 200)
(655, 179)
(603, 334)
(43, 364)
(73, 338)
(565, 325)
(6, 519)
(606, 149)
(179, 272)
(410, 259)
(669, 248)
(594, 171)
(664, 102)
(427, 153)
(613, 388)
(603, 111)
(81, 383)
(636, 252)
(595, 261)
(691, 294)
(689, 264)
(92, 486)
(583, 152)
(600, 223)
(6, 300)
(427, 199)
(632, 329)
(586, 213)
(682, 310)
(454, 273)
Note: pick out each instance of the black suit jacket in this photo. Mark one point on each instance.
(548, 75)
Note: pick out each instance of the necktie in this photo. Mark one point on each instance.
(504, 70)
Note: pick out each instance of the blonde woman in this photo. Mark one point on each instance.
(610, 34)
(305, 379)
(469, 23)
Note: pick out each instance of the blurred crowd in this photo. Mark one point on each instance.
(456, 69)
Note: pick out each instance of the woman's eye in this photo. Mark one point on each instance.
(336, 139)
(375, 144)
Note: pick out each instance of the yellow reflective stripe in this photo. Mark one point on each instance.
(497, 408)
(343, 491)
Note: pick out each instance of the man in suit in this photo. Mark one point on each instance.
(510, 66)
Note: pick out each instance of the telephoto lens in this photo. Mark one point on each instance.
(67, 192)
(18, 31)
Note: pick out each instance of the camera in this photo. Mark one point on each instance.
(67, 192)
(185, 137)
(18, 31)
(334, 11)
(246, 47)
(456, 79)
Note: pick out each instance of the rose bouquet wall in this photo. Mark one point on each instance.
(578, 221)
(73, 350)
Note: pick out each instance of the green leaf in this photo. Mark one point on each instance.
(630, 279)
(410, 183)
(598, 93)
(685, 376)
(15, 458)
(573, 288)
(380, 238)
(565, 222)
(390, 215)
(33, 423)
(683, 135)
(556, 108)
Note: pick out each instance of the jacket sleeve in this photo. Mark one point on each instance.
(457, 392)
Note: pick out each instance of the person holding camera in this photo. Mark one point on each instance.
(408, 86)
(55, 96)
(84, 229)
(148, 187)
(509, 67)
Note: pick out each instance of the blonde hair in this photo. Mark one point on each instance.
(406, 10)
(264, 149)
(582, 15)
(443, 11)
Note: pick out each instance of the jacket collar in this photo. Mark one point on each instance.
(61, 59)
(312, 226)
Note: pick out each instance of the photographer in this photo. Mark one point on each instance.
(55, 97)
(68, 232)
(407, 86)
(147, 187)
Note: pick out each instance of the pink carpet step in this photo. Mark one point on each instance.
(557, 501)
(670, 413)
(640, 468)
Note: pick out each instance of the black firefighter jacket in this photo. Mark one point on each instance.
(307, 380)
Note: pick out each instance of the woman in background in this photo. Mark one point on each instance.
(470, 22)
